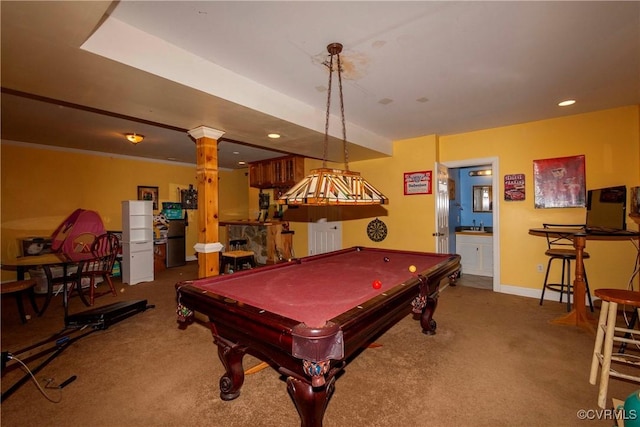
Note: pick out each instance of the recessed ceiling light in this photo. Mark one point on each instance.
(241, 163)
(236, 152)
(274, 135)
(567, 102)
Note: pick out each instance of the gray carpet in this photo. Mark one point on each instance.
(496, 360)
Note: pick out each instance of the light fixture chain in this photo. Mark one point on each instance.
(332, 186)
(344, 127)
(326, 123)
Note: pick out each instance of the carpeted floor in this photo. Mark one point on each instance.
(495, 361)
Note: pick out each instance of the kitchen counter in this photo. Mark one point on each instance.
(475, 233)
(250, 222)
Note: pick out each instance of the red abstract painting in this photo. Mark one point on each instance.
(560, 182)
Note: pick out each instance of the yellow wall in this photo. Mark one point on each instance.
(232, 194)
(609, 139)
(42, 186)
(610, 142)
(409, 219)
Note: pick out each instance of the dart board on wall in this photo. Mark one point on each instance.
(376, 230)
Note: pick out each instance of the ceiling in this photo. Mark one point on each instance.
(82, 74)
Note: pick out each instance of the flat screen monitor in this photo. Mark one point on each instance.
(606, 208)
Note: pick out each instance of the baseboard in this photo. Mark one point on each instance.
(535, 293)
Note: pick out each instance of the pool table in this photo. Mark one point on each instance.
(307, 316)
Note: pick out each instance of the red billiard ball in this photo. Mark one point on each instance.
(377, 284)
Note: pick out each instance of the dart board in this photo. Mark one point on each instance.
(376, 230)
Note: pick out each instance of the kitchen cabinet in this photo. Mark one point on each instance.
(282, 172)
(476, 252)
(137, 241)
(260, 174)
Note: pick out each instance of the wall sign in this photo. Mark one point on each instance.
(417, 183)
(514, 187)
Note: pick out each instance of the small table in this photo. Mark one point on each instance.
(308, 316)
(578, 315)
(46, 261)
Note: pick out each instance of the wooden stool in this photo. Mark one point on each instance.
(605, 337)
(237, 256)
(18, 288)
(236, 260)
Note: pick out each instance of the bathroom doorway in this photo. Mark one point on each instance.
(487, 221)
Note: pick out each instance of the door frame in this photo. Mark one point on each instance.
(494, 162)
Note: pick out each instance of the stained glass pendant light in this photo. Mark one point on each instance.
(327, 186)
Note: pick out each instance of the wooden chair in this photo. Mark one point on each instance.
(560, 247)
(104, 250)
(19, 288)
(236, 258)
(608, 333)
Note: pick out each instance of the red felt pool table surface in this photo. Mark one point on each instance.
(316, 289)
(309, 316)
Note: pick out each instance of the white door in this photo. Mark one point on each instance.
(442, 209)
(324, 237)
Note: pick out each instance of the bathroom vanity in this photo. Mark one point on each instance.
(476, 249)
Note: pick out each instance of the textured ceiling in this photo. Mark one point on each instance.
(81, 74)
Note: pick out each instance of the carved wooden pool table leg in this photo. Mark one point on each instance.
(424, 305)
(426, 319)
(231, 357)
(311, 402)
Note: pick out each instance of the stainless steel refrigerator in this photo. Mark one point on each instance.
(176, 248)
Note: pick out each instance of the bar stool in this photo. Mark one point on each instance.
(18, 289)
(237, 257)
(560, 247)
(605, 337)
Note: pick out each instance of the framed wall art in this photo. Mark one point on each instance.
(514, 187)
(560, 182)
(451, 186)
(148, 193)
(417, 182)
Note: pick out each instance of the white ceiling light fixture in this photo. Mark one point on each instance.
(333, 187)
(566, 103)
(274, 135)
(134, 138)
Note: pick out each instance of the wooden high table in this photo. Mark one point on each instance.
(578, 316)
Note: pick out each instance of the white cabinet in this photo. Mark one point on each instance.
(137, 241)
(476, 253)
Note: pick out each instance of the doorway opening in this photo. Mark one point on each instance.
(481, 247)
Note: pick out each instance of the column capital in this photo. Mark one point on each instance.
(207, 248)
(205, 132)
